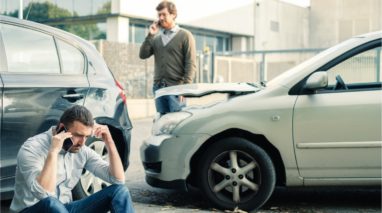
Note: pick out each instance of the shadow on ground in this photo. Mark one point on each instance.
(304, 200)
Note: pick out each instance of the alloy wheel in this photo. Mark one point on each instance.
(234, 176)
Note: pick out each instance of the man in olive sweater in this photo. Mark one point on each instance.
(175, 56)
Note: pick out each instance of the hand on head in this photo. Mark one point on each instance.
(102, 131)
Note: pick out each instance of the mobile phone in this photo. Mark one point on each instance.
(158, 23)
(67, 142)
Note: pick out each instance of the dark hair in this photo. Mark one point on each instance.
(77, 113)
(170, 7)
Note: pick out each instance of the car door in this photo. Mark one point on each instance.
(337, 130)
(44, 76)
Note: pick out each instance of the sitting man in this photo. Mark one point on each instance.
(48, 169)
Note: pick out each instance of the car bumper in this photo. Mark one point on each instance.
(166, 159)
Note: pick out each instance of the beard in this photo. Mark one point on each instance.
(166, 25)
(75, 149)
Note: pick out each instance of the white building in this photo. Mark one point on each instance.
(256, 25)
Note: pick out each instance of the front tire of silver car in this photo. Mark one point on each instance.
(89, 184)
(236, 173)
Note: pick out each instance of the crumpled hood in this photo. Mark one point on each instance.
(202, 89)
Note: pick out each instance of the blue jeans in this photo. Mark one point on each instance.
(115, 198)
(168, 103)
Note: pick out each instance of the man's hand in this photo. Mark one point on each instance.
(116, 168)
(102, 131)
(58, 140)
(48, 176)
(154, 28)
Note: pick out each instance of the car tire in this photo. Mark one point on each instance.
(235, 173)
(89, 184)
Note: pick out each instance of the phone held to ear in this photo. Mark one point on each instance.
(67, 142)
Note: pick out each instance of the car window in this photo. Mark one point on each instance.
(29, 51)
(363, 68)
(73, 61)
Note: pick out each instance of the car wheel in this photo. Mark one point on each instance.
(236, 173)
(90, 184)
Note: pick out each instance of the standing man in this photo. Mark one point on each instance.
(175, 56)
(50, 164)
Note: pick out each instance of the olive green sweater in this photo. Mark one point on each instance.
(175, 63)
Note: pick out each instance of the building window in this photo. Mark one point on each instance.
(275, 26)
(213, 43)
(140, 33)
(137, 33)
(220, 44)
(199, 42)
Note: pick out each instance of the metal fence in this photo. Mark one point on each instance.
(251, 66)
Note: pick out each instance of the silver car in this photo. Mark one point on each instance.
(317, 124)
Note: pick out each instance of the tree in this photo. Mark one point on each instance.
(40, 12)
(105, 9)
(43, 12)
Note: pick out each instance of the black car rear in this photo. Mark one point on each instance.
(44, 71)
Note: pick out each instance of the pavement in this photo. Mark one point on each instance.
(147, 199)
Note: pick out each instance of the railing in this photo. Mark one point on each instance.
(136, 75)
(251, 66)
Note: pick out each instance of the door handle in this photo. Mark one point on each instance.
(73, 97)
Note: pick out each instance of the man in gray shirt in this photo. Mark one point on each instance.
(48, 169)
(175, 55)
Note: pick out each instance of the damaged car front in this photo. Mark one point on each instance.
(177, 136)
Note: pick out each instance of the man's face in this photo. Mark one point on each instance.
(80, 133)
(166, 19)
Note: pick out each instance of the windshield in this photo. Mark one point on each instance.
(293, 71)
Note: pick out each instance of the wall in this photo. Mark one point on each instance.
(332, 21)
(237, 21)
(280, 25)
(135, 74)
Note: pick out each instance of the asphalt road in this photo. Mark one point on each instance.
(303, 200)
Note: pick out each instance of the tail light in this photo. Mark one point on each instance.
(122, 92)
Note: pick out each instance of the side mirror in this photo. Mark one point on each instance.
(317, 80)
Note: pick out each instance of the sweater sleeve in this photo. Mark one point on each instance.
(147, 49)
(190, 58)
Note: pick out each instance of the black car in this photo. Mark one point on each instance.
(44, 71)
